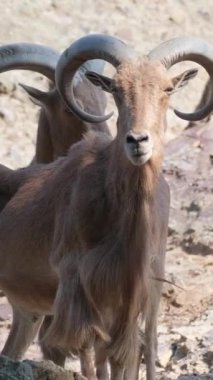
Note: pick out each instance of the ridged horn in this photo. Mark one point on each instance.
(28, 56)
(95, 46)
(187, 49)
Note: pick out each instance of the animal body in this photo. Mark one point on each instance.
(58, 126)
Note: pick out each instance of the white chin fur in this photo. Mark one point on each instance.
(140, 160)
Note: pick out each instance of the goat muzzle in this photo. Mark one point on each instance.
(138, 147)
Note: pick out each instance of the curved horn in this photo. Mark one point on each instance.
(29, 57)
(187, 49)
(96, 46)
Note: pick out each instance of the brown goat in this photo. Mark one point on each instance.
(58, 127)
(87, 233)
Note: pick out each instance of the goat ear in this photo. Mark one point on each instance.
(182, 79)
(38, 97)
(100, 80)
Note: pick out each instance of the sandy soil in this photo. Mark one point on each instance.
(186, 318)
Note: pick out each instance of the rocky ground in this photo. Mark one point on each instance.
(186, 317)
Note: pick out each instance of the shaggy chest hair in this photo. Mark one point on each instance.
(111, 231)
(102, 253)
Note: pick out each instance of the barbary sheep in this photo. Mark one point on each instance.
(58, 127)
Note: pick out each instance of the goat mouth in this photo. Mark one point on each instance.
(140, 158)
(139, 154)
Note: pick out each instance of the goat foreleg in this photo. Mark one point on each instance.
(23, 330)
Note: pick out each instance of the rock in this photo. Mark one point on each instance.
(180, 351)
(196, 377)
(31, 370)
(208, 358)
(164, 354)
(189, 171)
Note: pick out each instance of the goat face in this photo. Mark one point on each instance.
(141, 97)
(141, 92)
(58, 123)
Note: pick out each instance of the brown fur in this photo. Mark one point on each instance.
(59, 128)
(91, 233)
(11, 181)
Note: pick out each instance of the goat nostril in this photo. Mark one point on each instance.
(135, 139)
(143, 138)
(130, 139)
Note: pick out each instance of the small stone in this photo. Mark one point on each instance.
(208, 358)
(184, 367)
(180, 351)
(164, 355)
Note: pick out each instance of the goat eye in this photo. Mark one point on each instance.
(169, 90)
(113, 89)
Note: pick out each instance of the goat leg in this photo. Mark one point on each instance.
(132, 370)
(101, 361)
(23, 330)
(151, 334)
(117, 370)
(50, 353)
(151, 350)
(87, 365)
